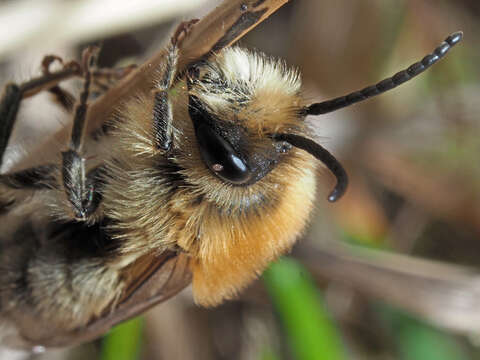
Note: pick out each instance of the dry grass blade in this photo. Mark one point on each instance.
(445, 295)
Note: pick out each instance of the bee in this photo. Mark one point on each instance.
(208, 176)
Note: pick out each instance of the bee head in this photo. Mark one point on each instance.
(264, 97)
(242, 106)
(236, 104)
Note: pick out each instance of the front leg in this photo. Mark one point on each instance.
(162, 108)
(81, 190)
(63, 97)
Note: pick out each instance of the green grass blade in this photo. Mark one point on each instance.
(268, 354)
(311, 333)
(416, 340)
(123, 342)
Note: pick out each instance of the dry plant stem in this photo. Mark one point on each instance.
(445, 295)
(220, 28)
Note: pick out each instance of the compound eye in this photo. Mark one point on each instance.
(220, 157)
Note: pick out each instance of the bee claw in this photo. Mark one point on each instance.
(182, 31)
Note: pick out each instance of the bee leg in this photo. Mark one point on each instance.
(182, 30)
(9, 106)
(80, 190)
(62, 96)
(162, 108)
(40, 177)
(14, 94)
(103, 79)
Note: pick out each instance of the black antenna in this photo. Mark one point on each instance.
(387, 84)
(324, 156)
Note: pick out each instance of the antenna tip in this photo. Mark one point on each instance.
(455, 38)
(335, 194)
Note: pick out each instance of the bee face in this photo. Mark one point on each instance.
(236, 104)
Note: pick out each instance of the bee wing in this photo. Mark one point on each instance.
(168, 275)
